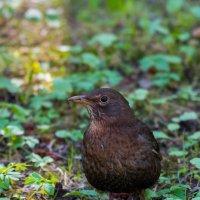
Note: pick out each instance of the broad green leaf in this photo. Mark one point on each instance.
(159, 61)
(184, 36)
(188, 116)
(174, 6)
(195, 162)
(196, 11)
(6, 83)
(11, 130)
(195, 136)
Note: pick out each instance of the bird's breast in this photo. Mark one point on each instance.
(112, 158)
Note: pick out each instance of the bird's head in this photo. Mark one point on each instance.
(104, 104)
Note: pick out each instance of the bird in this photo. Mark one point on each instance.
(120, 154)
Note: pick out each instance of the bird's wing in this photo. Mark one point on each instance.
(147, 136)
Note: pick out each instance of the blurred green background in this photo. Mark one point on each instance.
(149, 50)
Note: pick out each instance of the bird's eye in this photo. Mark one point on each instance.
(104, 99)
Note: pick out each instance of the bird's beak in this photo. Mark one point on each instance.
(80, 99)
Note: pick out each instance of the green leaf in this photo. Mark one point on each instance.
(104, 39)
(19, 166)
(188, 116)
(4, 113)
(33, 14)
(33, 178)
(160, 61)
(62, 134)
(6, 83)
(52, 14)
(91, 60)
(31, 141)
(160, 135)
(195, 162)
(173, 127)
(140, 94)
(176, 152)
(162, 100)
(82, 193)
(73, 135)
(150, 194)
(49, 189)
(38, 160)
(174, 6)
(195, 136)
(196, 11)
(61, 88)
(38, 102)
(184, 36)
(11, 130)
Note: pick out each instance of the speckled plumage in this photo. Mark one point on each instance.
(120, 153)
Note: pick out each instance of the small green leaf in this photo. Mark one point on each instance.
(160, 135)
(4, 113)
(61, 88)
(104, 39)
(176, 152)
(38, 160)
(31, 141)
(62, 134)
(82, 193)
(74, 135)
(49, 189)
(91, 60)
(33, 14)
(195, 162)
(140, 94)
(173, 127)
(36, 175)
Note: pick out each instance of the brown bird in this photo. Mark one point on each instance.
(120, 153)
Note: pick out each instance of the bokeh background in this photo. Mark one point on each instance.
(149, 50)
